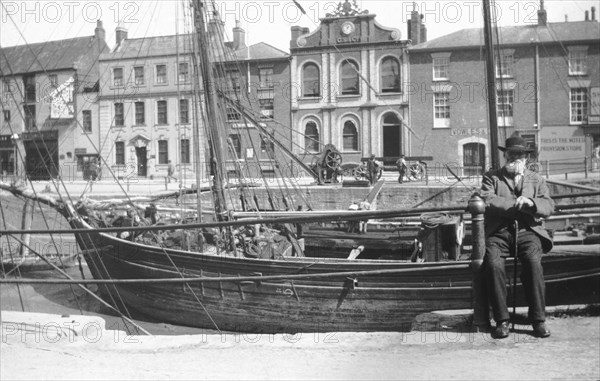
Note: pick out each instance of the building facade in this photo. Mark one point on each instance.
(547, 77)
(349, 87)
(49, 111)
(148, 109)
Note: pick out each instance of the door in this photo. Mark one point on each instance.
(473, 159)
(392, 137)
(142, 161)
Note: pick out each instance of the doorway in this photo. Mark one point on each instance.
(142, 161)
(392, 137)
(473, 159)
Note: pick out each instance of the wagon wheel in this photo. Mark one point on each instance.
(360, 173)
(333, 160)
(416, 172)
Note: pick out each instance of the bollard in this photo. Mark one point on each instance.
(481, 319)
(566, 176)
(585, 166)
(166, 184)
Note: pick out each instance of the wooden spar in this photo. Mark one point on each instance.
(235, 279)
(491, 84)
(217, 157)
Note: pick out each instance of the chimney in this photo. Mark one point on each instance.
(296, 32)
(120, 33)
(414, 26)
(593, 13)
(423, 31)
(542, 15)
(99, 32)
(239, 36)
(587, 15)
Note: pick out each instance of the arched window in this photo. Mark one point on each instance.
(350, 136)
(311, 81)
(311, 137)
(349, 79)
(390, 75)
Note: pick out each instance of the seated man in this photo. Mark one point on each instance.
(515, 194)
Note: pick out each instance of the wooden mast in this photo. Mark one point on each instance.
(215, 142)
(491, 84)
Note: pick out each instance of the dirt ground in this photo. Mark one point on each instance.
(437, 348)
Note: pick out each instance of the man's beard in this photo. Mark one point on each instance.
(515, 167)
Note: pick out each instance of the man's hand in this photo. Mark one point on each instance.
(523, 201)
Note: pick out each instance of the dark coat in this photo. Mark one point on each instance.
(498, 192)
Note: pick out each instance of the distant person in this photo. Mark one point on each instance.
(514, 193)
(401, 164)
(372, 169)
(171, 172)
(94, 168)
(596, 157)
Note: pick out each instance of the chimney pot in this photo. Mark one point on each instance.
(587, 15)
(593, 13)
(120, 34)
(239, 36)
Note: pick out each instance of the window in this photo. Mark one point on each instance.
(161, 74)
(184, 72)
(163, 152)
(440, 68)
(6, 87)
(185, 151)
(311, 137)
(349, 78)
(161, 116)
(577, 61)
(350, 136)
(87, 120)
(236, 144)
(234, 77)
(29, 112)
(311, 81)
(120, 153)
(233, 115)
(53, 78)
(138, 73)
(140, 113)
(6, 115)
(184, 111)
(390, 75)
(579, 102)
(29, 85)
(266, 78)
(119, 115)
(266, 108)
(118, 76)
(504, 65)
(441, 109)
(505, 100)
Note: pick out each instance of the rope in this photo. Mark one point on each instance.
(435, 219)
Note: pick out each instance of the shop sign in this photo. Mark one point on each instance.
(468, 131)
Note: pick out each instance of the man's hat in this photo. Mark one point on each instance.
(516, 144)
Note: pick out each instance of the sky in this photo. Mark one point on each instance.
(29, 21)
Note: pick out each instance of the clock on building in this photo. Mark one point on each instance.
(347, 28)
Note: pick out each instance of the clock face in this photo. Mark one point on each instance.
(347, 28)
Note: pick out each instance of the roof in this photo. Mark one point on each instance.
(47, 56)
(261, 50)
(166, 45)
(516, 35)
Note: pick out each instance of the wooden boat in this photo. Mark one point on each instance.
(217, 287)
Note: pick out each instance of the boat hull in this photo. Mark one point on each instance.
(377, 302)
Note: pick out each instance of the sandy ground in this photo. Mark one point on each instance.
(81, 350)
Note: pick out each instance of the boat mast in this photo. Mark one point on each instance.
(215, 146)
(491, 84)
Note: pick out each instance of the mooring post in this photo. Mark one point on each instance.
(480, 304)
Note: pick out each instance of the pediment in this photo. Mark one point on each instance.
(139, 141)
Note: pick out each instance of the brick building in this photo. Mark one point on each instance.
(547, 77)
(348, 82)
(49, 111)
